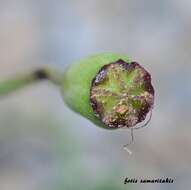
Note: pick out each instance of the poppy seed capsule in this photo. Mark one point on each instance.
(109, 89)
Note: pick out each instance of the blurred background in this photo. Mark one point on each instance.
(44, 145)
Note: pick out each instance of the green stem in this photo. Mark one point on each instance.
(19, 81)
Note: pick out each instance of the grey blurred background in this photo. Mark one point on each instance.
(43, 144)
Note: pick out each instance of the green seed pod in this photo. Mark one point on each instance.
(108, 89)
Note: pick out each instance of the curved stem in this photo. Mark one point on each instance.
(19, 81)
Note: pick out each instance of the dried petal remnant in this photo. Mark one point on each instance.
(122, 94)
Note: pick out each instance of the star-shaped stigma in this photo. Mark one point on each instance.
(122, 94)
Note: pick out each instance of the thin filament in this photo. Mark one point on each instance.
(125, 147)
(132, 136)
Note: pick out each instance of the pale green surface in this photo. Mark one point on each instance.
(16, 83)
(20, 81)
(77, 83)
